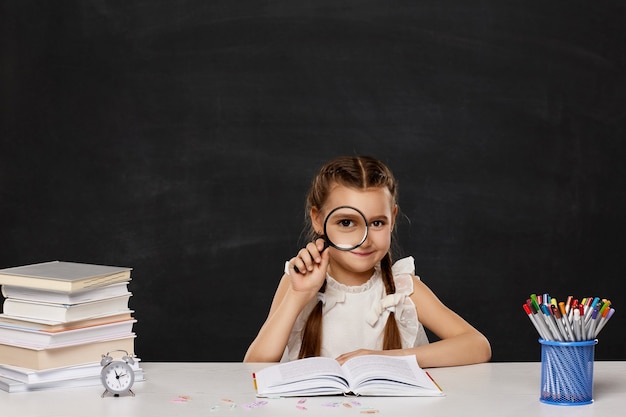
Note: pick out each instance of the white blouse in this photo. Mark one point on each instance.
(354, 317)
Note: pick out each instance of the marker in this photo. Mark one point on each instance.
(559, 321)
(607, 315)
(254, 382)
(592, 306)
(605, 305)
(577, 332)
(573, 307)
(531, 316)
(593, 323)
(583, 303)
(568, 304)
(565, 318)
(581, 323)
(553, 302)
(534, 299)
(557, 317)
(551, 323)
(563, 310)
(545, 333)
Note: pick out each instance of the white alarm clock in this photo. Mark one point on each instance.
(117, 376)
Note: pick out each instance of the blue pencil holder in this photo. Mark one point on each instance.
(567, 372)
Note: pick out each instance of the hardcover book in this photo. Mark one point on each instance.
(63, 276)
(372, 375)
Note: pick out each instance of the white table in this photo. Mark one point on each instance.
(225, 389)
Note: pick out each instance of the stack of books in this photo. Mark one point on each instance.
(57, 321)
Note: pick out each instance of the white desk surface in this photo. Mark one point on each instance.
(199, 389)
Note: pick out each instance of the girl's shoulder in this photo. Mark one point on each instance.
(404, 266)
(403, 274)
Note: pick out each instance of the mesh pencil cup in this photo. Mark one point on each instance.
(567, 372)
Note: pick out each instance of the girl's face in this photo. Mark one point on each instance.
(356, 266)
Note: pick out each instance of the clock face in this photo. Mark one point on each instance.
(117, 377)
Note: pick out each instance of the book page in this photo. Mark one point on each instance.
(309, 367)
(300, 369)
(381, 367)
(310, 376)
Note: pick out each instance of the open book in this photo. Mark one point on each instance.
(373, 375)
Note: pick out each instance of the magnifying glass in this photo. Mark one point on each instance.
(345, 228)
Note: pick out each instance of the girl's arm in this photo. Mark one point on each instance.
(292, 295)
(460, 344)
(272, 339)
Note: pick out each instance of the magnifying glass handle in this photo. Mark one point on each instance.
(326, 245)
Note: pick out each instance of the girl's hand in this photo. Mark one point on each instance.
(360, 352)
(307, 270)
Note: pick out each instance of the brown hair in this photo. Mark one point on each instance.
(358, 172)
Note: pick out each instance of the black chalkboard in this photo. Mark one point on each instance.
(179, 138)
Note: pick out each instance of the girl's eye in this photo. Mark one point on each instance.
(346, 223)
(378, 223)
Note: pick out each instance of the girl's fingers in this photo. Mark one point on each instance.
(308, 257)
(298, 265)
(314, 251)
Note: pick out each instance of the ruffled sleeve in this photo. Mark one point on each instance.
(411, 330)
(404, 266)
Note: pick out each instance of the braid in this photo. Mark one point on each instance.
(392, 338)
(312, 334)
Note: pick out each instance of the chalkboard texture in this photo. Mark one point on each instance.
(179, 138)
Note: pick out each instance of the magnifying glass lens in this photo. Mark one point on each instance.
(345, 228)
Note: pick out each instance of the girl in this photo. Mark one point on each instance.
(343, 304)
